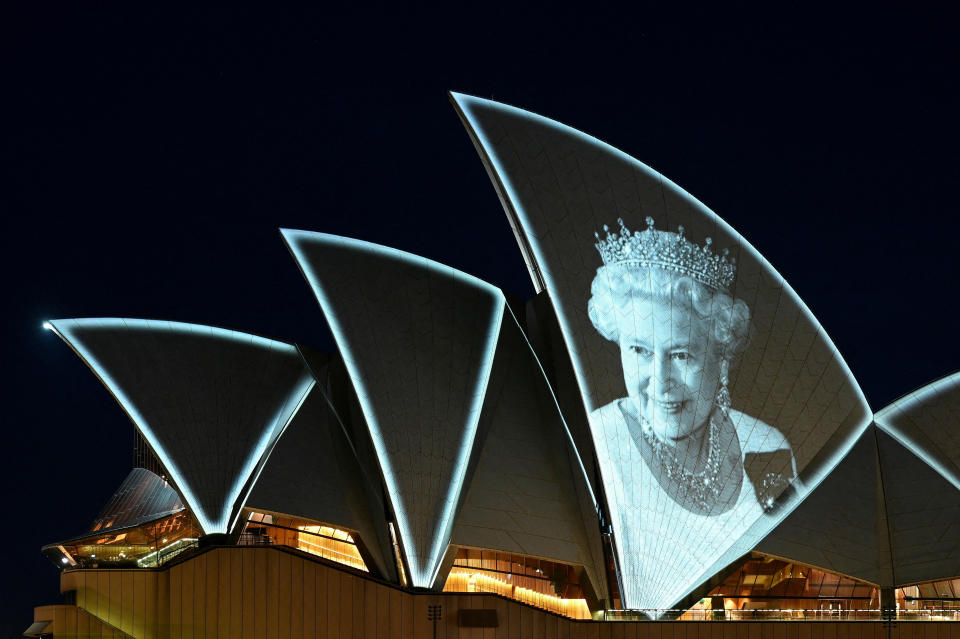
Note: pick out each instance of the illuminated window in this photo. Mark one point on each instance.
(145, 546)
(322, 540)
(934, 600)
(768, 587)
(545, 584)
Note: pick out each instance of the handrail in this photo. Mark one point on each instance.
(780, 614)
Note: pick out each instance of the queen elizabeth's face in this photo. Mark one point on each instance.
(670, 367)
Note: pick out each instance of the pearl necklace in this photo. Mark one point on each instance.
(701, 488)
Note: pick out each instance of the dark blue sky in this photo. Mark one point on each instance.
(150, 157)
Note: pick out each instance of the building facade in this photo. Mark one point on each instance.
(664, 432)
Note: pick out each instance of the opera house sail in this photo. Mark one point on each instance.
(665, 431)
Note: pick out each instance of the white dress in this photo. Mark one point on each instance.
(664, 549)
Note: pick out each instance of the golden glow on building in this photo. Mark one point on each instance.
(768, 587)
(330, 543)
(933, 600)
(146, 546)
(464, 580)
(529, 580)
(322, 540)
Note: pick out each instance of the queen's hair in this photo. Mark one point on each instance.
(616, 285)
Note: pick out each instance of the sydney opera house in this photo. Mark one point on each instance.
(662, 439)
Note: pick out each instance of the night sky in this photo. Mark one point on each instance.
(149, 159)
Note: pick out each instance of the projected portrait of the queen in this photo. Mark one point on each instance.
(680, 452)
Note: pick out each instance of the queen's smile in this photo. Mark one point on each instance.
(670, 407)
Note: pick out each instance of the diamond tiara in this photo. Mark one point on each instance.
(651, 248)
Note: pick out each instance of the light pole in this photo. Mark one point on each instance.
(434, 614)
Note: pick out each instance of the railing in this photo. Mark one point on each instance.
(159, 557)
(125, 557)
(335, 549)
(472, 580)
(779, 614)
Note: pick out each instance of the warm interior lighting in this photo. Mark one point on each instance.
(939, 600)
(768, 587)
(465, 580)
(397, 555)
(136, 546)
(154, 558)
(545, 584)
(318, 539)
(330, 543)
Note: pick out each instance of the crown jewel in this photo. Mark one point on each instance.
(668, 251)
